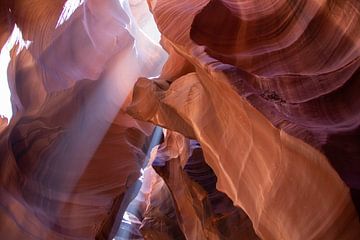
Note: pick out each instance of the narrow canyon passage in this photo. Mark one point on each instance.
(192, 119)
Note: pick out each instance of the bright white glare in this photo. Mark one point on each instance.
(126, 218)
(145, 19)
(141, 178)
(69, 8)
(15, 38)
(151, 30)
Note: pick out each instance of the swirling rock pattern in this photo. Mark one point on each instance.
(231, 221)
(266, 88)
(264, 172)
(296, 63)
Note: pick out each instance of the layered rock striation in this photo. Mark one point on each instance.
(257, 99)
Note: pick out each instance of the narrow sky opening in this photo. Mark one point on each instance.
(145, 20)
(69, 8)
(15, 38)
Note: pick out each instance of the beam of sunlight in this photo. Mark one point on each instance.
(100, 109)
(143, 22)
(122, 233)
(155, 140)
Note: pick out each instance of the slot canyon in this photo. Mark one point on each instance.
(179, 119)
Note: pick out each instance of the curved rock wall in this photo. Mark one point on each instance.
(258, 99)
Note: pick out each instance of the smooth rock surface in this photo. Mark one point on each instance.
(258, 101)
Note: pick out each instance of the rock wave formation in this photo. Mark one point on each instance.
(256, 100)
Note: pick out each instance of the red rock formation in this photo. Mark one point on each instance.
(230, 221)
(298, 66)
(264, 172)
(3, 123)
(289, 60)
(195, 196)
(6, 23)
(190, 199)
(160, 220)
(269, 55)
(267, 88)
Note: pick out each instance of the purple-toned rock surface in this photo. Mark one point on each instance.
(70, 155)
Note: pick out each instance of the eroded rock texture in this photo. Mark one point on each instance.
(296, 64)
(258, 101)
(191, 181)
